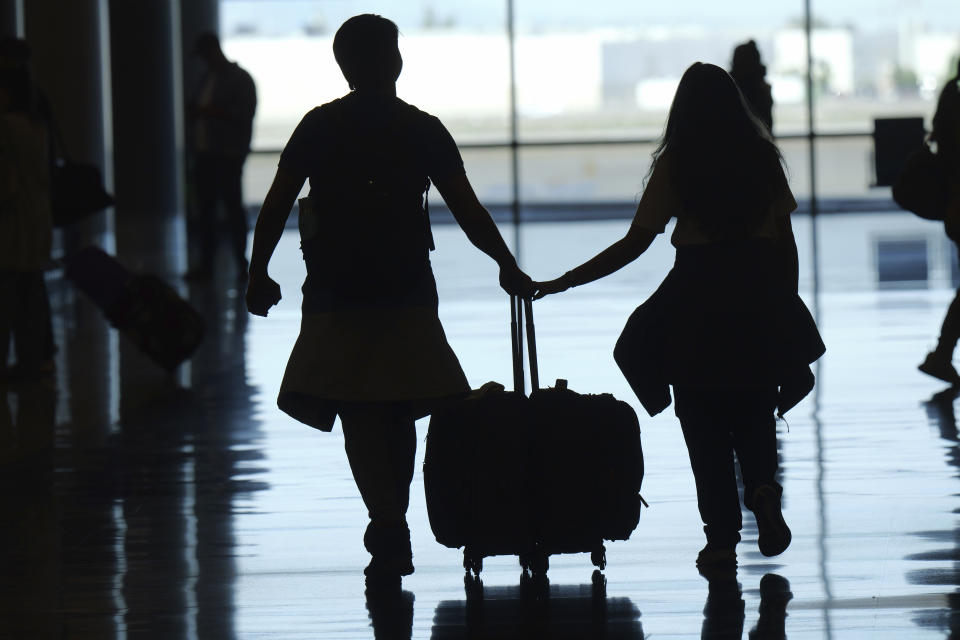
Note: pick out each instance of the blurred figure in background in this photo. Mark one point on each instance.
(750, 74)
(221, 114)
(15, 53)
(26, 228)
(946, 135)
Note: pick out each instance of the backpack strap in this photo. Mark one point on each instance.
(426, 216)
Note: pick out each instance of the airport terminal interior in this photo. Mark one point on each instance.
(144, 503)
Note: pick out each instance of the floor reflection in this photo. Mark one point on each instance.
(142, 505)
(124, 527)
(391, 613)
(724, 612)
(533, 610)
(944, 564)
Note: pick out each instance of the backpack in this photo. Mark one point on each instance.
(922, 186)
(365, 233)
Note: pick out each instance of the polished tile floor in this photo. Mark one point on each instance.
(140, 505)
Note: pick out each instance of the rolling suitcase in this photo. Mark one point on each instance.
(141, 306)
(555, 472)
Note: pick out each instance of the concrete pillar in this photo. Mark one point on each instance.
(69, 62)
(147, 94)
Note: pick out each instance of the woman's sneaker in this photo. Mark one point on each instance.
(774, 535)
(940, 367)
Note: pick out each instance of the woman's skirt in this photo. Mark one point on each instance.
(723, 317)
(395, 355)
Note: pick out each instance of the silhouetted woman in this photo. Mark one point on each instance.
(946, 135)
(751, 76)
(371, 348)
(726, 327)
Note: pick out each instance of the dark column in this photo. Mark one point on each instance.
(69, 63)
(11, 23)
(147, 131)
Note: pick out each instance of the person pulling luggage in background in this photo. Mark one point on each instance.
(946, 135)
(726, 327)
(371, 347)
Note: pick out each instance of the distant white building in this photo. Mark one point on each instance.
(929, 56)
(451, 73)
(832, 58)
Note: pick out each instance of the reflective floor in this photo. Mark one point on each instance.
(140, 505)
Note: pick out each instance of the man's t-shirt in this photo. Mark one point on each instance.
(311, 151)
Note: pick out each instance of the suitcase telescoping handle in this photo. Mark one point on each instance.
(518, 308)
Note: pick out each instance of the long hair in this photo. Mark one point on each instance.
(724, 166)
(946, 120)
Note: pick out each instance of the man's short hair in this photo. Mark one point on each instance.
(365, 47)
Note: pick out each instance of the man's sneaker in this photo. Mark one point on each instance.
(774, 535)
(392, 556)
(711, 557)
(940, 367)
(388, 569)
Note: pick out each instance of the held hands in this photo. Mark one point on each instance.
(262, 293)
(556, 285)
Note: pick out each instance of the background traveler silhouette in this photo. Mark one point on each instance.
(750, 74)
(221, 114)
(15, 53)
(26, 228)
(371, 347)
(946, 135)
(726, 327)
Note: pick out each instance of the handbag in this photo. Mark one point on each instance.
(77, 192)
(922, 185)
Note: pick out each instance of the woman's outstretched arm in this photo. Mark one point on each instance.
(616, 256)
(481, 230)
(262, 291)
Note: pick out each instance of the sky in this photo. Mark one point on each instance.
(288, 16)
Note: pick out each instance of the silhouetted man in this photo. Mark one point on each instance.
(221, 113)
(371, 347)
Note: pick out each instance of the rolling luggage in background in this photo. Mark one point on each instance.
(141, 306)
(556, 472)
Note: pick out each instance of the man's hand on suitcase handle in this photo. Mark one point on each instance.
(262, 293)
(514, 281)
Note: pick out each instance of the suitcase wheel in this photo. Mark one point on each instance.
(598, 583)
(534, 587)
(536, 563)
(472, 563)
(473, 587)
(599, 557)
